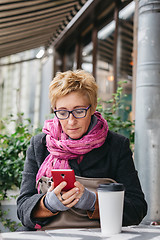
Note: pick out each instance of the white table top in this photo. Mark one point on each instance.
(142, 232)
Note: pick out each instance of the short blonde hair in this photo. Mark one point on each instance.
(69, 81)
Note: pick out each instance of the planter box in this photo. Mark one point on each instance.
(10, 207)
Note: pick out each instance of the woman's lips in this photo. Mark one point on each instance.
(73, 129)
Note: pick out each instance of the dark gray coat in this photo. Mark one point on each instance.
(112, 160)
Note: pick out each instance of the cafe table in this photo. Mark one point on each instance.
(141, 232)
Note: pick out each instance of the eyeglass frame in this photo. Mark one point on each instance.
(69, 112)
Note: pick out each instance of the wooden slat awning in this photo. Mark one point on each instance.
(30, 24)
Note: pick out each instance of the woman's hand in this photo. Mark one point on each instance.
(71, 197)
(79, 197)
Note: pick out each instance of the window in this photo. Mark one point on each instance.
(105, 75)
(87, 51)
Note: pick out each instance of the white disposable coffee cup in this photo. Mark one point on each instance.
(111, 198)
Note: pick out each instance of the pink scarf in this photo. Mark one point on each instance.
(62, 148)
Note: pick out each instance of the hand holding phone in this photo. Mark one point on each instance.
(67, 175)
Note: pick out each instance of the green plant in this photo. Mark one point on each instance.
(111, 110)
(13, 146)
(12, 153)
(8, 223)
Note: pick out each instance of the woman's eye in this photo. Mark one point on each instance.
(79, 111)
(62, 113)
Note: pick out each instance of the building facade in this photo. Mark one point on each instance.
(104, 38)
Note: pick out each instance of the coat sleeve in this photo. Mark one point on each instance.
(135, 206)
(29, 196)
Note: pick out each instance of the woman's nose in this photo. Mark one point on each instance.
(71, 119)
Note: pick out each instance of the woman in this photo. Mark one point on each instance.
(78, 138)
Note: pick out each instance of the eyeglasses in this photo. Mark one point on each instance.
(77, 113)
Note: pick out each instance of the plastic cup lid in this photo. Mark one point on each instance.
(111, 187)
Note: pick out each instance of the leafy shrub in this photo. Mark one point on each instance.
(111, 112)
(13, 148)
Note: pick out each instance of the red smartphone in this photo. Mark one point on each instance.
(60, 175)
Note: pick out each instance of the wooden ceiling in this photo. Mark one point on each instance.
(30, 24)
